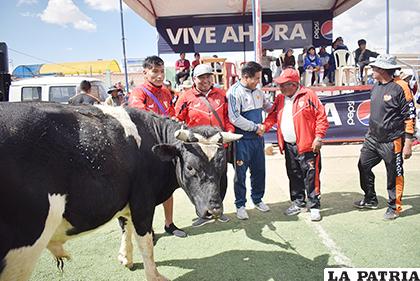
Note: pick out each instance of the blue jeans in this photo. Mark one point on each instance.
(249, 154)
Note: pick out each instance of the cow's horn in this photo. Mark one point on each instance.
(182, 134)
(229, 137)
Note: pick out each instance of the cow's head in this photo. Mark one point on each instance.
(200, 162)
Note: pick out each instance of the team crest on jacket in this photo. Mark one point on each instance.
(301, 103)
(197, 105)
(217, 101)
(387, 97)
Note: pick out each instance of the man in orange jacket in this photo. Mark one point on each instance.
(152, 96)
(301, 125)
(205, 105)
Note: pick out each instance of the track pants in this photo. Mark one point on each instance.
(303, 171)
(249, 154)
(371, 154)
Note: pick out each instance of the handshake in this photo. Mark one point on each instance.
(261, 130)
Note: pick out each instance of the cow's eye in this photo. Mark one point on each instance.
(190, 170)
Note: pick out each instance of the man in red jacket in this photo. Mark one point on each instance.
(301, 125)
(152, 96)
(205, 105)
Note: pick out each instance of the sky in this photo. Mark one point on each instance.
(54, 31)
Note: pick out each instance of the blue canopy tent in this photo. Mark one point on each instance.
(27, 71)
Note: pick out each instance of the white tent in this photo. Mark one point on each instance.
(150, 10)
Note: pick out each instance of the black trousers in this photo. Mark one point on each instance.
(303, 171)
(182, 74)
(371, 154)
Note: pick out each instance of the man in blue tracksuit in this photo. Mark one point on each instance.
(246, 103)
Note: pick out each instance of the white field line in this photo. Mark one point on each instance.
(336, 252)
(328, 242)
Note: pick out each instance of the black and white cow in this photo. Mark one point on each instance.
(65, 171)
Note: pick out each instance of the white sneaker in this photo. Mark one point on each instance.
(315, 215)
(262, 207)
(241, 213)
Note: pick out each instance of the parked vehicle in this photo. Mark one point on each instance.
(54, 89)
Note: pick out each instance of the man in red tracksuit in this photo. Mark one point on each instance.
(301, 125)
(195, 108)
(152, 96)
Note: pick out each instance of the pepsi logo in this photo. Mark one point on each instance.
(266, 32)
(363, 112)
(327, 30)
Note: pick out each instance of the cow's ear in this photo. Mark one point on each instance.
(166, 152)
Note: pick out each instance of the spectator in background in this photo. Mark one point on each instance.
(116, 97)
(84, 96)
(313, 67)
(267, 74)
(205, 105)
(324, 58)
(289, 59)
(217, 67)
(152, 96)
(338, 44)
(279, 64)
(119, 85)
(301, 125)
(182, 69)
(362, 56)
(196, 61)
(301, 61)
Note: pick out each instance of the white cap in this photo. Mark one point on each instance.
(202, 69)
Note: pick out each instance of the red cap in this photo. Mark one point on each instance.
(288, 75)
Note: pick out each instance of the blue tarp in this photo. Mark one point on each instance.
(27, 71)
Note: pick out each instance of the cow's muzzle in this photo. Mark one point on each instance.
(215, 209)
(215, 212)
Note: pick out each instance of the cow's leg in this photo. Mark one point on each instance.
(125, 255)
(56, 248)
(142, 217)
(20, 262)
(145, 243)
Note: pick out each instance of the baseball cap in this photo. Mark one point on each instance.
(202, 69)
(288, 75)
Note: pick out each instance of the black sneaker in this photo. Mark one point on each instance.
(294, 209)
(202, 221)
(175, 231)
(390, 214)
(363, 204)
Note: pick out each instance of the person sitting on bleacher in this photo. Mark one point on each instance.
(313, 67)
(362, 56)
(182, 68)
